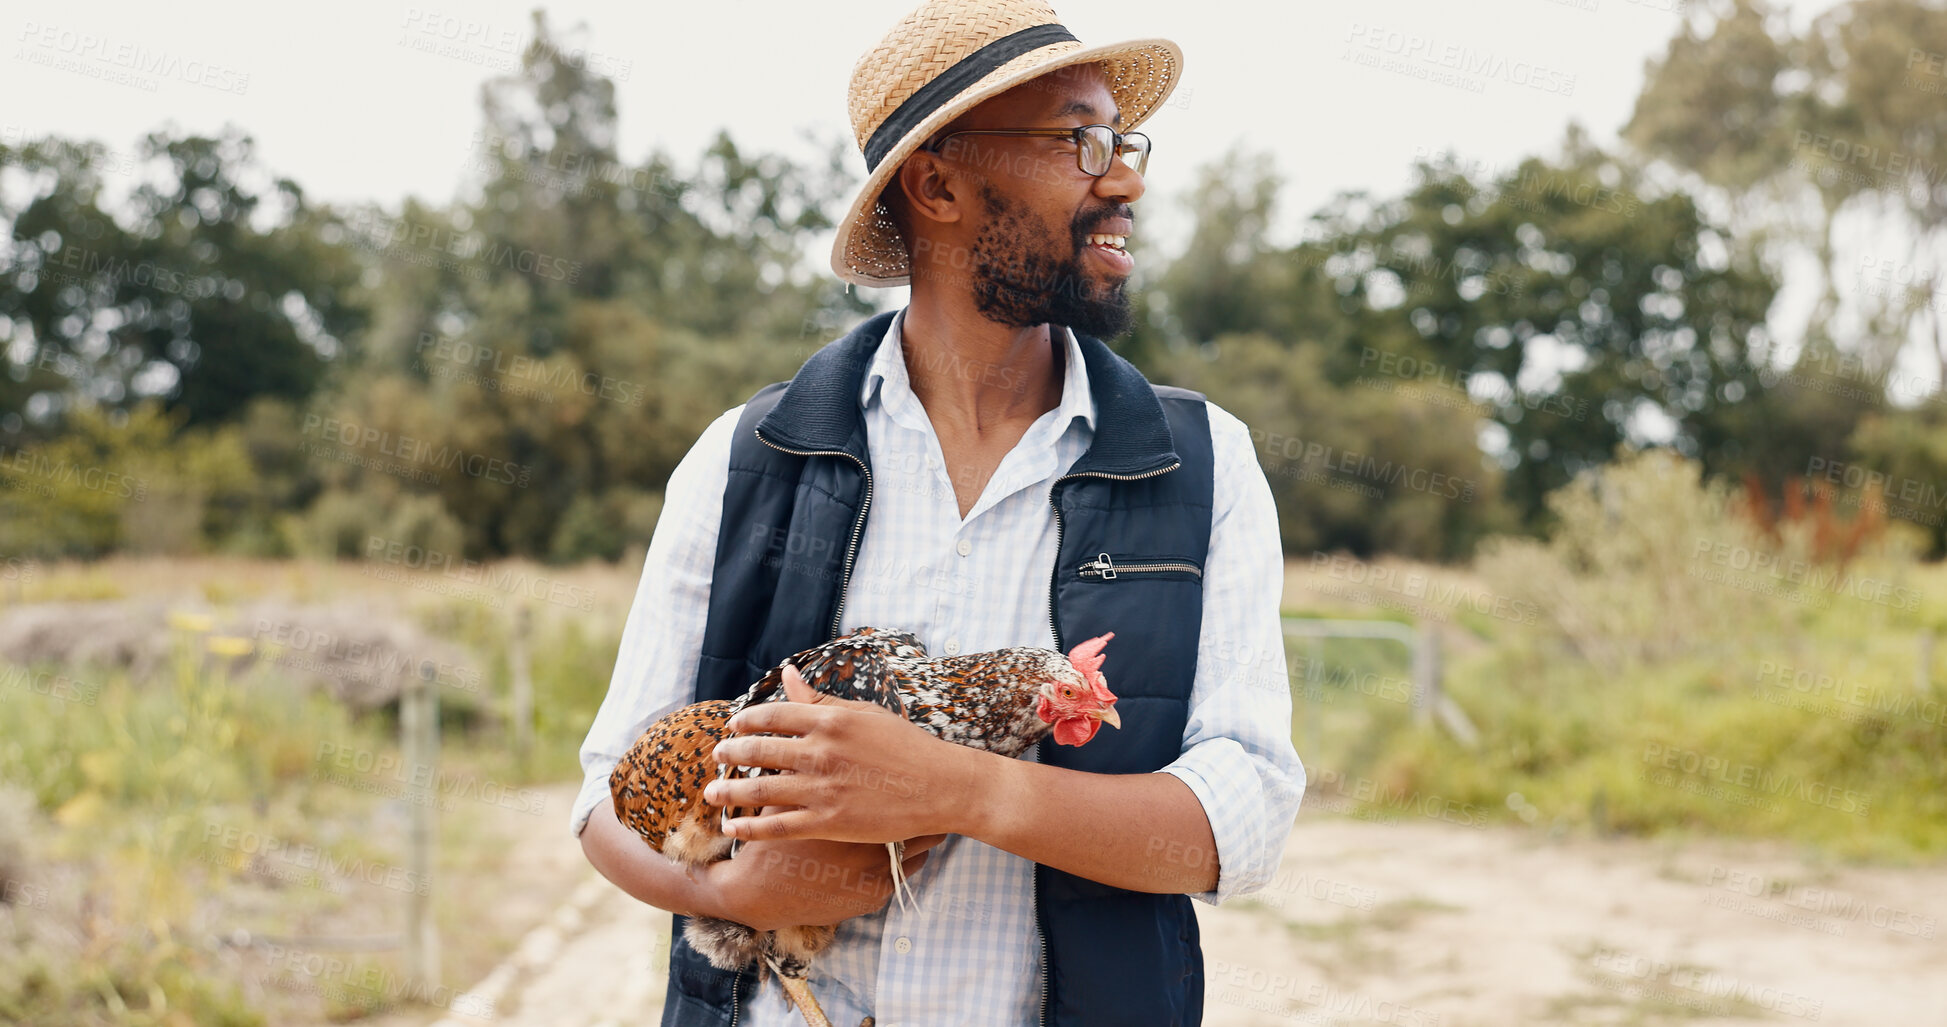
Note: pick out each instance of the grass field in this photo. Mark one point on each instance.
(1829, 729)
(215, 843)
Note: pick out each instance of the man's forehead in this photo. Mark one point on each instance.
(1078, 90)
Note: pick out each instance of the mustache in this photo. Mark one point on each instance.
(1125, 212)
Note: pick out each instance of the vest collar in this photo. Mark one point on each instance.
(819, 411)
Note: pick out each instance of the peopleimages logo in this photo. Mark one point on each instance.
(494, 577)
(23, 464)
(1413, 50)
(132, 58)
(469, 247)
(520, 367)
(354, 436)
(1705, 768)
(1764, 567)
(81, 265)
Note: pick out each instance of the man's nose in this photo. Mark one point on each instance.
(1120, 182)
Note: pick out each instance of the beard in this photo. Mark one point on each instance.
(1019, 283)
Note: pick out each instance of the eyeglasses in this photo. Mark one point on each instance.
(1095, 144)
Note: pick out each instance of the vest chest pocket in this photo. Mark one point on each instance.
(1113, 567)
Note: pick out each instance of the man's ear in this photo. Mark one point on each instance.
(929, 189)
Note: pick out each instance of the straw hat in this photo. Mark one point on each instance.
(939, 62)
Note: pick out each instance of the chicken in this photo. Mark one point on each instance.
(1002, 701)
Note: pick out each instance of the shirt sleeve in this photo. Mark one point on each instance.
(655, 669)
(1237, 752)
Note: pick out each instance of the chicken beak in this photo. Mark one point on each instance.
(1107, 715)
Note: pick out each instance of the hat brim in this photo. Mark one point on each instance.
(868, 249)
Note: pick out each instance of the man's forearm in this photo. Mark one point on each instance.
(1143, 832)
(619, 855)
(769, 886)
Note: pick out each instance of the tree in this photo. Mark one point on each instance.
(576, 320)
(1578, 311)
(214, 285)
(1835, 123)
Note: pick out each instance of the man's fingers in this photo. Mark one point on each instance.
(774, 827)
(761, 751)
(923, 842)
(757, 792)
(777, 718)
(917, 851)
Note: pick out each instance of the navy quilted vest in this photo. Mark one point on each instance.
(799, 491)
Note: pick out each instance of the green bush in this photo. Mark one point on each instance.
(1646, 561)
(1642, 658)
(604, 527)
(342, 523)
(116, 480)
(1908, 448)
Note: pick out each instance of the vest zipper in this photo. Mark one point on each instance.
(1042, 937)
(858, 526)
(1041, 931)
(1054, 575)
(736, 1000)
(1106, 569)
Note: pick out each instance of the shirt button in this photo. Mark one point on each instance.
(903, 946)
(953, 647)
(964, 547)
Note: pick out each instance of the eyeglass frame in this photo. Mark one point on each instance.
(1073, 135)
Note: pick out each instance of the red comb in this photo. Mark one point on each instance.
(1087, 660)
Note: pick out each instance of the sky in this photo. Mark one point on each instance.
(344, 99)
(369, 101)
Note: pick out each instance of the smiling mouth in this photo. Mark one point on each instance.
(1110, 242)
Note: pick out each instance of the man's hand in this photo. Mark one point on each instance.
(853, 772)
(769, 885)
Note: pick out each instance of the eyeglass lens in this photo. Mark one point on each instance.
(1098, 140)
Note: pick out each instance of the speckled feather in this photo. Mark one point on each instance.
(658, 785)
(980, 700)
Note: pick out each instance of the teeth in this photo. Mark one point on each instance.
(1115, 241)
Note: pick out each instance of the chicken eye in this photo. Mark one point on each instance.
(1067, 692)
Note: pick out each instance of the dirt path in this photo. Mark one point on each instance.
(1427, 924)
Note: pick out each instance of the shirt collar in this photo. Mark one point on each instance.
(887, 379)
(817, 411)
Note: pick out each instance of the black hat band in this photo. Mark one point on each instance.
(954, 81)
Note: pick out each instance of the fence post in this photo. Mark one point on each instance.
(1426, 674)
(522, 697)
(419, 724)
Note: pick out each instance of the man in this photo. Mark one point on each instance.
(982, 471)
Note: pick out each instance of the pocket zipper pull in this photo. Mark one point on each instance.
(1100, 565)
